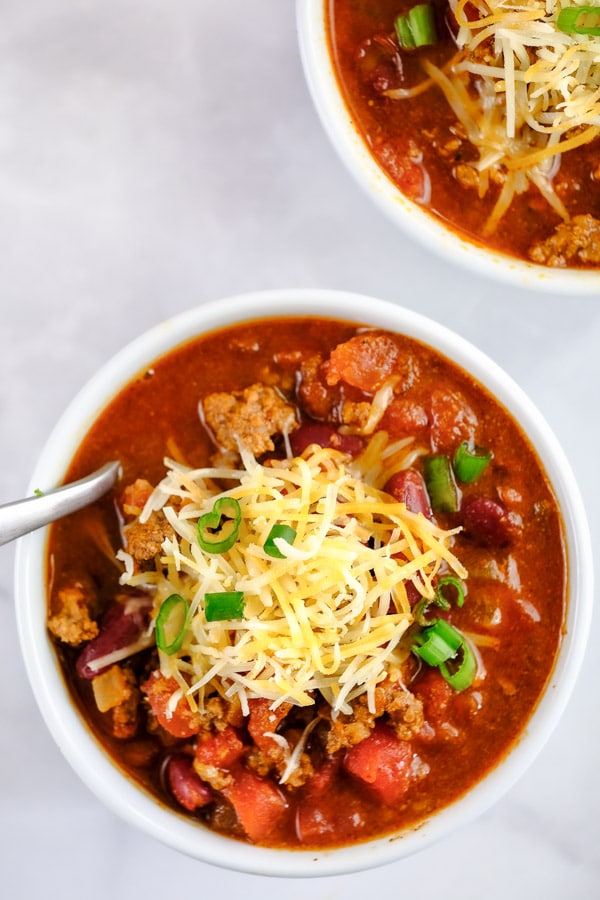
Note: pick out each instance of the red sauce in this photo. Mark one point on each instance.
(515, 595)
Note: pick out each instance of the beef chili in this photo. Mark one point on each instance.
(327, 592)
(479, 122)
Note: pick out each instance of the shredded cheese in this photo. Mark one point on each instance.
(524, 92)
(326, 619)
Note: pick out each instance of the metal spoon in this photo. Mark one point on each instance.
(23, 516)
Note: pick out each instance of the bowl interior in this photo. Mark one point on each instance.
(410, 217)
(77, 743)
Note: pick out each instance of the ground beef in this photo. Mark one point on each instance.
(318, 399)
(218, 778)
(356, 414)
(71, 621)
(218, 713)
(125, 716)
(346, 731)
(574, 242)
(405, 713)
(275, 759)
(403, 708)
(249, 418)
(144, 539)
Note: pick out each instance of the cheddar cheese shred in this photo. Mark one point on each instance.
(524, 92)
(327, 617)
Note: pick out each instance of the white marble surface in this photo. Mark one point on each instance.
(157, 154)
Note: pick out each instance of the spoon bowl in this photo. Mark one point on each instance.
(22, 516)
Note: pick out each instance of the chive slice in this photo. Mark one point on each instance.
(437, 643)
(455, 583)
(218, 529)
(417, 28)
(441, 487)
(442, 598)
(422, 608)
(460, 671)
(442, 645)
(170, 624)
(223, 605)
(579, 20)
(286, 533)
(470, 463)
(404, 34)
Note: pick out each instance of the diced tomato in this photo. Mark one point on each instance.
(325, 807)
(264, 721)
(403, 418)
(337, 811)
(181, 722)
(383, 762)
(435, 694)
(185, 785)
(365, 361)
(323, 778)
(223, 749)
(404, 162)
(259, 805)
(452, 421)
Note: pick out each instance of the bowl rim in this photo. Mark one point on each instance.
(410, 217)
(86, 756)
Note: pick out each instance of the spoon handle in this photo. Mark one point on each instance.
(26, 515)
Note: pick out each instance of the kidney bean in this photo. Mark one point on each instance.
(122, 624)
(185, 785)
(325, 436)
(379, 63)
(408, 487)
(489, 523)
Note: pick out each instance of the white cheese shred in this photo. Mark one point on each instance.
(524, 92)
(328, 618)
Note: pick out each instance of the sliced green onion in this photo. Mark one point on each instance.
(441, 599)
(460, 671)
(170, 624)
(286, 533)
(404, 34)
(218, 529)
(469, 464)
(422, 608)
(437, 643)
(223, 605)
(440, 484)
(579, 20)
(450, 581)
(417, 27)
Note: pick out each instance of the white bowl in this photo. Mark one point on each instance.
(412, 218)
(94, 765)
